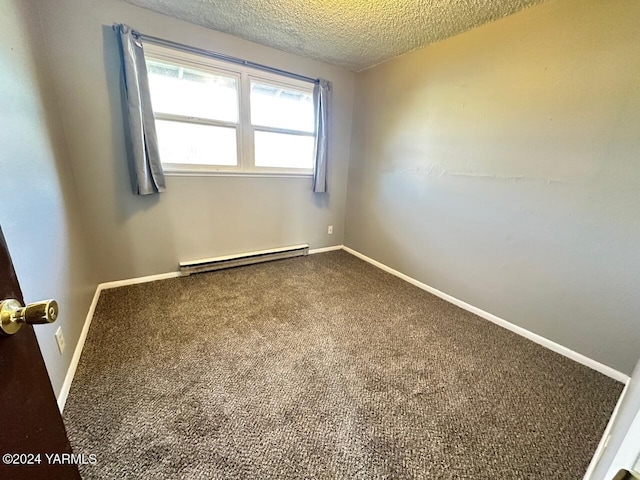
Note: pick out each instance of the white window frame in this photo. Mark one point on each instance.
(244, 129)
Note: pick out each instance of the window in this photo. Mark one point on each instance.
(214, 117)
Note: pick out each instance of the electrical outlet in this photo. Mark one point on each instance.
(60, 340)
(330, 230)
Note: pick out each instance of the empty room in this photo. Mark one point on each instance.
(278, 239)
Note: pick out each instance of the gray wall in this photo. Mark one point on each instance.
(501, 167)
(39, 210)
(198, 216)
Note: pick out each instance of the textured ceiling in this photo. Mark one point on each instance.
(354, 34)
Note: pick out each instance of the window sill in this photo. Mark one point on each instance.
(170, 172)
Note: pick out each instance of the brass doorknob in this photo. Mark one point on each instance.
(13, 315)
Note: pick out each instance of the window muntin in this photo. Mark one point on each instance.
(201, 103)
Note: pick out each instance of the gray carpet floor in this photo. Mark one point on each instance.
(322, 367)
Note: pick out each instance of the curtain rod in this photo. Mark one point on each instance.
(220, 56)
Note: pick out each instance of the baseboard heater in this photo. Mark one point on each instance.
(241, 259)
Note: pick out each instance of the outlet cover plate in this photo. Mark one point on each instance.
(60, 340)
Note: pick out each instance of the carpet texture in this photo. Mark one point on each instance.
(322, 367)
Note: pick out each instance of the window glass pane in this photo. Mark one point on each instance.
(281, 107)
(191, 92)
(284, 151)
(189, 143)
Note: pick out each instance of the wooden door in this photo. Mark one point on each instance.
(31, 428)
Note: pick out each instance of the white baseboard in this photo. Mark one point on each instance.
(604, 441)
(326, 249)
(71, 371)
(133, 281)
(545, 342)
